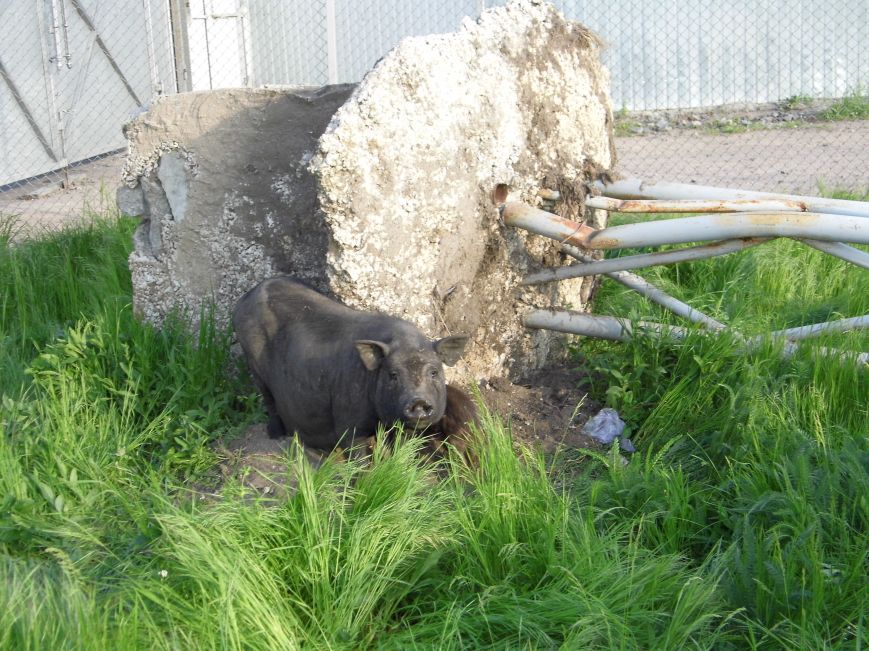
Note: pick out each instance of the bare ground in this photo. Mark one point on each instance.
(56, 200)
(793, 160)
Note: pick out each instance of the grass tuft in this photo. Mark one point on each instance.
(851, 107)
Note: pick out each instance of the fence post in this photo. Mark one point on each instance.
(332, 41)
(180, 45)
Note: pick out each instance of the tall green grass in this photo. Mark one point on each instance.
(740, 523)
(757, 464)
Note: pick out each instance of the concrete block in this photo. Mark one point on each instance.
(383, 198)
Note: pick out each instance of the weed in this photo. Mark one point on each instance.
(624, 125)
(854, 106)
(796, 102)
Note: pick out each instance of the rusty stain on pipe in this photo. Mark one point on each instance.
(695, 206)
(639, 189)
(732, 225)
(544, 223)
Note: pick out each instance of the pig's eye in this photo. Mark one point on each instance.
(393, 376)
(435, 374)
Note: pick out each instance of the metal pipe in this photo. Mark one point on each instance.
(520, 215)
(695, 205)
(55, 33)
(849, 253)
(548, 194)
(616, 329)
(862, 359)
(67, 55)
(817, 329)
(841, 228)
(637, 189)
(156, 84)
(331, 41)
(546, 224)
(600, 327)
(652, 293)
(644, 260)
(688, 229)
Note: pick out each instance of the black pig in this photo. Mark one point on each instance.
(332, 374)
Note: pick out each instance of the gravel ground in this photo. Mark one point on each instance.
(51, 203)
(799, 160)
(778, 158)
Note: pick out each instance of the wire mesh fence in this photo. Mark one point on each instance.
(761, 94)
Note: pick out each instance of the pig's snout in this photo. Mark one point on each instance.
(418, 409)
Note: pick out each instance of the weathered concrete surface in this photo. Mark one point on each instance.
(408, 165)
(390, 208)
(223, 179)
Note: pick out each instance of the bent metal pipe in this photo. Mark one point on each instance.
(702, 228)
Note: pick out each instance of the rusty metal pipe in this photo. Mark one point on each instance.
(816, 226)
(520, 215)
(644, 260)
(721, 226)
(638, 189)
(569, 233)
(693, 205)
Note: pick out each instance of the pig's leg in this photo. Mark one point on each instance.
(275, 425)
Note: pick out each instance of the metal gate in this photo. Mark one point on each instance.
(73, 71)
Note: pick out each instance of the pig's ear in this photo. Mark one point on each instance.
(372, 353)
(449, 349)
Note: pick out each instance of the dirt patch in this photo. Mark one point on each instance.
(258, 463)
(545, 411)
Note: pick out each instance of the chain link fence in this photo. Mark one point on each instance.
(759, 94)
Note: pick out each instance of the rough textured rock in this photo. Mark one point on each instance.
(222, 178)
(389, 207)
(517, 99)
